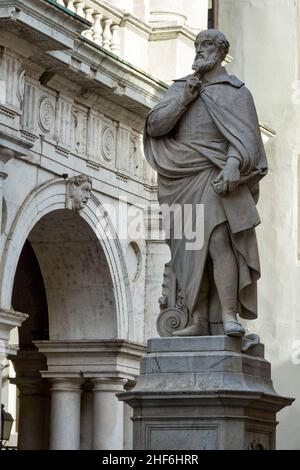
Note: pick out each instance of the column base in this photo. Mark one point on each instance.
(203, 393)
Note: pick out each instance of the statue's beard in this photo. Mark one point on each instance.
(202, 66)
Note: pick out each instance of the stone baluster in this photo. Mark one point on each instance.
(107, 34)
(115, 40)
(79, 8)
(97, 29)
(61, 2)
(89, 17)
(70, 5)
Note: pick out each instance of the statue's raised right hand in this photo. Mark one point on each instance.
(191, 90)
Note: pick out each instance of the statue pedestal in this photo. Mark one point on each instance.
(197, 393)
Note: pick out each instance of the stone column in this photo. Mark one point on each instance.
(108, 414)
(65, 414)
(33, 415)
(33, 433)
(9, 319)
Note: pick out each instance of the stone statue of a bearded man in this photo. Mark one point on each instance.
(204, 141)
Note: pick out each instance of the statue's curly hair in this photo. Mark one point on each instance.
(80, 179)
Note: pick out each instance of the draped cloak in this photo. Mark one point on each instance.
(188, 147)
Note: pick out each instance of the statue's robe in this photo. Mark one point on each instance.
(188, 147)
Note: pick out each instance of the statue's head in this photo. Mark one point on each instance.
(80, 188)
(211, 47)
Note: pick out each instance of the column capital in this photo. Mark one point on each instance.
(31, 385)
(10, 319)
(29, 363)
(66, 384)
(108, 384)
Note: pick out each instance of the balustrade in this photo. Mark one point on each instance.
(105, 30)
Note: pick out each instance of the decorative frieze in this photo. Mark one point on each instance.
(73, 128)
(46, 114)
(94, 136)
(28, 136)
(79, 130)
(123, 147)
(108, 143)
(30, 108)
(12, 79)
(63, 122)
(102, 139)
(130, 157)
(20, 85)
(137, 157)
(93, 165)
(7, 112)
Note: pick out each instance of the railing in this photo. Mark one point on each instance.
(105, 20)
(133, 35)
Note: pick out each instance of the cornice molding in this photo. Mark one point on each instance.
(42, 21)
(164, 32)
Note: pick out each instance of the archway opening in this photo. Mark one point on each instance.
(79, 288)
(63, 282)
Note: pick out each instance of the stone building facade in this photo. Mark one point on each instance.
(82, 256)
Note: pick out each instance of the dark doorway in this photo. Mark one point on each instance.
(29, 296)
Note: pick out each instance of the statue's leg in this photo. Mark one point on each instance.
(200, 325)
(225, 272)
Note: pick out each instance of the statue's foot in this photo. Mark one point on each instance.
(193, 330)
(233, 328)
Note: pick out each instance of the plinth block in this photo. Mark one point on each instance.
(197, 393)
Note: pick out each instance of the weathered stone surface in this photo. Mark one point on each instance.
(203, 139)
(203, 393)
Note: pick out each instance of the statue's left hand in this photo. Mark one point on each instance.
(229, 177)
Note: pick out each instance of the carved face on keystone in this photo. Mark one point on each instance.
(80, 191)
(81, 195)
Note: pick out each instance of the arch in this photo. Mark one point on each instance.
(46, 198)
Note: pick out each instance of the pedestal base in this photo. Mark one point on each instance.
(197, 393)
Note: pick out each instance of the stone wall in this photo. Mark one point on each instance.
(263, 37)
